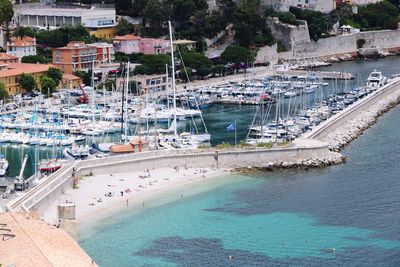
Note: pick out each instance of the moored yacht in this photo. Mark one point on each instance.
(376, 79)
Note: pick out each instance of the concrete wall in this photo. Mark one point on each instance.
(39, 197)
(388, 40)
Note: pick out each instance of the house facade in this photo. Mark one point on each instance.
(20, 47)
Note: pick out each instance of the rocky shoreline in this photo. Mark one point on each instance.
(353, 128)
(333, 159)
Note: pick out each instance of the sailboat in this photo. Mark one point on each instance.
(183, 140)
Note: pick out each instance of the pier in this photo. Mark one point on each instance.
(325, 75)
(327, 129)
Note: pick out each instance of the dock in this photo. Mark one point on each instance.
(325, 75)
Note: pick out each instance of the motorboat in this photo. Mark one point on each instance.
(3, 165)
(376, 80)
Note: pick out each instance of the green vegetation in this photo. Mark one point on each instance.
(223, 145)
(3, 94)
(57, 38)
(27, 82)
(47, 85)
(237, 55)
(86, 76)
(121, 57)
(55, 74)
(152, 64)
(124, 27)
(35, 59)
(318, 22)
(265, 145)
(6, 14)
(360, 43)
(378, 16)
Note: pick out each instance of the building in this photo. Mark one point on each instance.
(10, 74)
(324, 6)
(70, 81)
(150, 46)
(151, 83)
(75, 56)
(129, 44)
(6, 58)
(80, 56)
(358, 2)
(105, 53)
(100, 20)
(20, 47)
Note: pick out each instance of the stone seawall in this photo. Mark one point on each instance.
(337, 46)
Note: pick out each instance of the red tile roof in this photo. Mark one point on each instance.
(126, 37)
(15, 69)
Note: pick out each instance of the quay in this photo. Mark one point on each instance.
(325, 75)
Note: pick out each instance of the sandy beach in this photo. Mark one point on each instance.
(102, 195)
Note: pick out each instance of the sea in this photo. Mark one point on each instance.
(344, 215)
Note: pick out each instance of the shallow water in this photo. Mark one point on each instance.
(345, 215)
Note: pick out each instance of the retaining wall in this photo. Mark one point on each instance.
(40, 196)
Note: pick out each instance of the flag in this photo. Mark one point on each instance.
(231, 128)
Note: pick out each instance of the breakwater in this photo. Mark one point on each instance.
(345, 126)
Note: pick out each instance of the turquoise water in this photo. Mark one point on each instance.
(345, 215)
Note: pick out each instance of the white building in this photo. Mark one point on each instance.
(363, 2)
(20, 47)
(57, 15)
(316, 5)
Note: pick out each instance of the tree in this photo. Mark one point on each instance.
(47, 85)
(6, 14)
(3, 92)
(27, 81)
(35, 59)
(219, 69)
(153, 15)
(124, 27)
(203, 71)
(196, 60)
(86, 76)
(154, 64)
(248, 22)
(55, 74)
(237, 55)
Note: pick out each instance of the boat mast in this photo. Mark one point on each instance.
(93, 106)
(122, 108)
(167, 89)
(126, 104)
(173, 75)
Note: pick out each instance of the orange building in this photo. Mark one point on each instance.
(80, 56)
(10, 74)
(74, 56)
(6, 58)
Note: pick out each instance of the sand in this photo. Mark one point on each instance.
(101, 195)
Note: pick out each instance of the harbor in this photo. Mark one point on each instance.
(132, 181)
